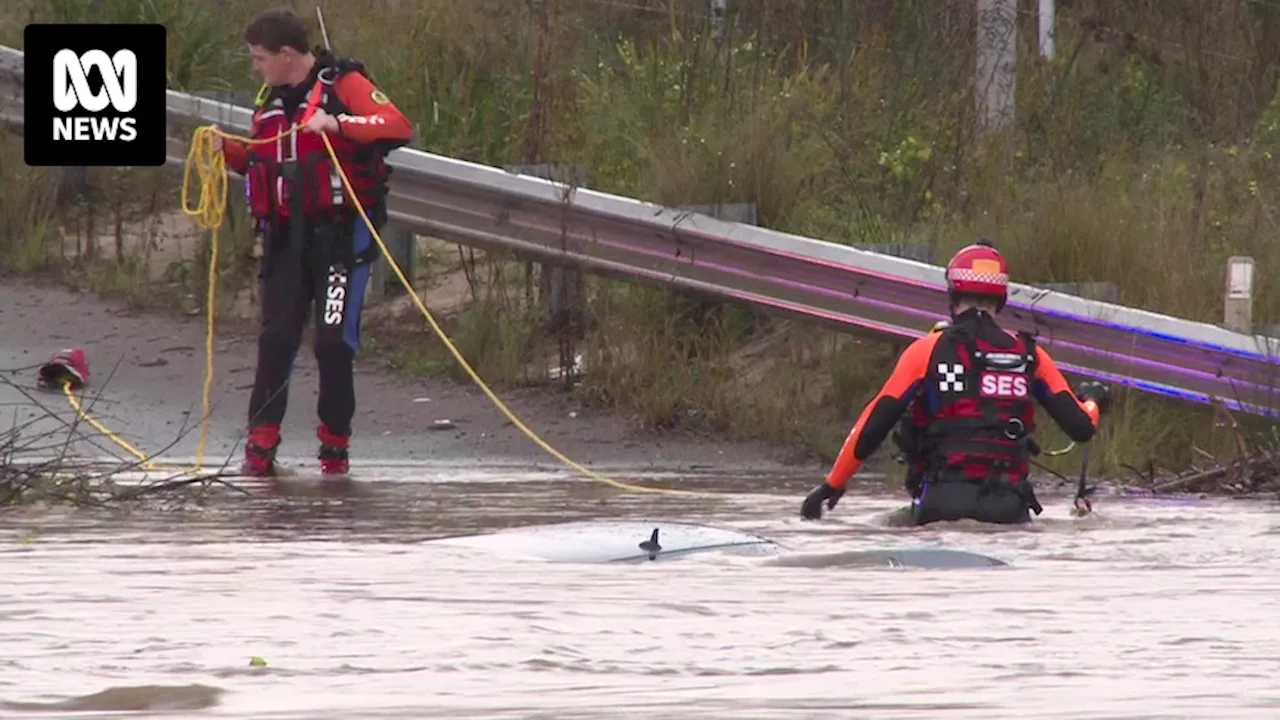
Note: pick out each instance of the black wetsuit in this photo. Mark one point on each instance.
(322, 271)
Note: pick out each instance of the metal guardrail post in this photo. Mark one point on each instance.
(561, 288)
(402, 244)
(745, 213)
(696, 310)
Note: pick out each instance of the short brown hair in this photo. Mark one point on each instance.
(276, 29)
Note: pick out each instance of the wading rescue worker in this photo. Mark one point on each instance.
(975, 386)
(316, 249)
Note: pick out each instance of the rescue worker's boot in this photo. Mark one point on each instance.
(333, 452)
(260, 451)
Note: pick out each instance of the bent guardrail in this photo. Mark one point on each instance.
(822, 282)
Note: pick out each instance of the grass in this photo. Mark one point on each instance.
(1142, 155)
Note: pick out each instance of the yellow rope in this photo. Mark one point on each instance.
(206, 156)
(209, 165)
(75, 403)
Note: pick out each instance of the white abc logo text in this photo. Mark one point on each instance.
(119, 89)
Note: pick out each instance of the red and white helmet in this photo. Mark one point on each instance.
(979, 270)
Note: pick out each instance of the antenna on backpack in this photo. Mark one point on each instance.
(323, 32)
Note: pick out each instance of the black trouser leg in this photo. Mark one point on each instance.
(285, 291)
(340, 285)
(952, 500)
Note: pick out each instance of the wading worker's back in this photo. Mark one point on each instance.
(316, 247)
(974, 387)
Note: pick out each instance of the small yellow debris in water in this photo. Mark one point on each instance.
(257, 661)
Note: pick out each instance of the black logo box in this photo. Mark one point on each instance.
(149, 43)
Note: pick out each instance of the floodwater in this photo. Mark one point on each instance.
(1148, 609)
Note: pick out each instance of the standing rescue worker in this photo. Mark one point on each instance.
(316, 248)
(975, 386)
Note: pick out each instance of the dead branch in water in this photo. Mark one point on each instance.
(39, 465)
(1255, 469)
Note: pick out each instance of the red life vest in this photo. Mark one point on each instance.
(985, 409)
(269, 188)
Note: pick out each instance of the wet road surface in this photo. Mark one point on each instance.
(1148, 609)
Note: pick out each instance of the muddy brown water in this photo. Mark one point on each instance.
(1148, 609)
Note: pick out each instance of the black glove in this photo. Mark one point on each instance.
(811, 508)
(1096, 391)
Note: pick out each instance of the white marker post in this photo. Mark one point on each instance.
(1237, 303)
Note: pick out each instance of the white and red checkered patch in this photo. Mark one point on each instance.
(967, 275)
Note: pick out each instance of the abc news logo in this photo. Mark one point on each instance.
(95, 95)
(71, 92)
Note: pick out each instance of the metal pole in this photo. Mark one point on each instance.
(323, 32)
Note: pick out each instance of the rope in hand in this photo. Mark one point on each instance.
(206, 160)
